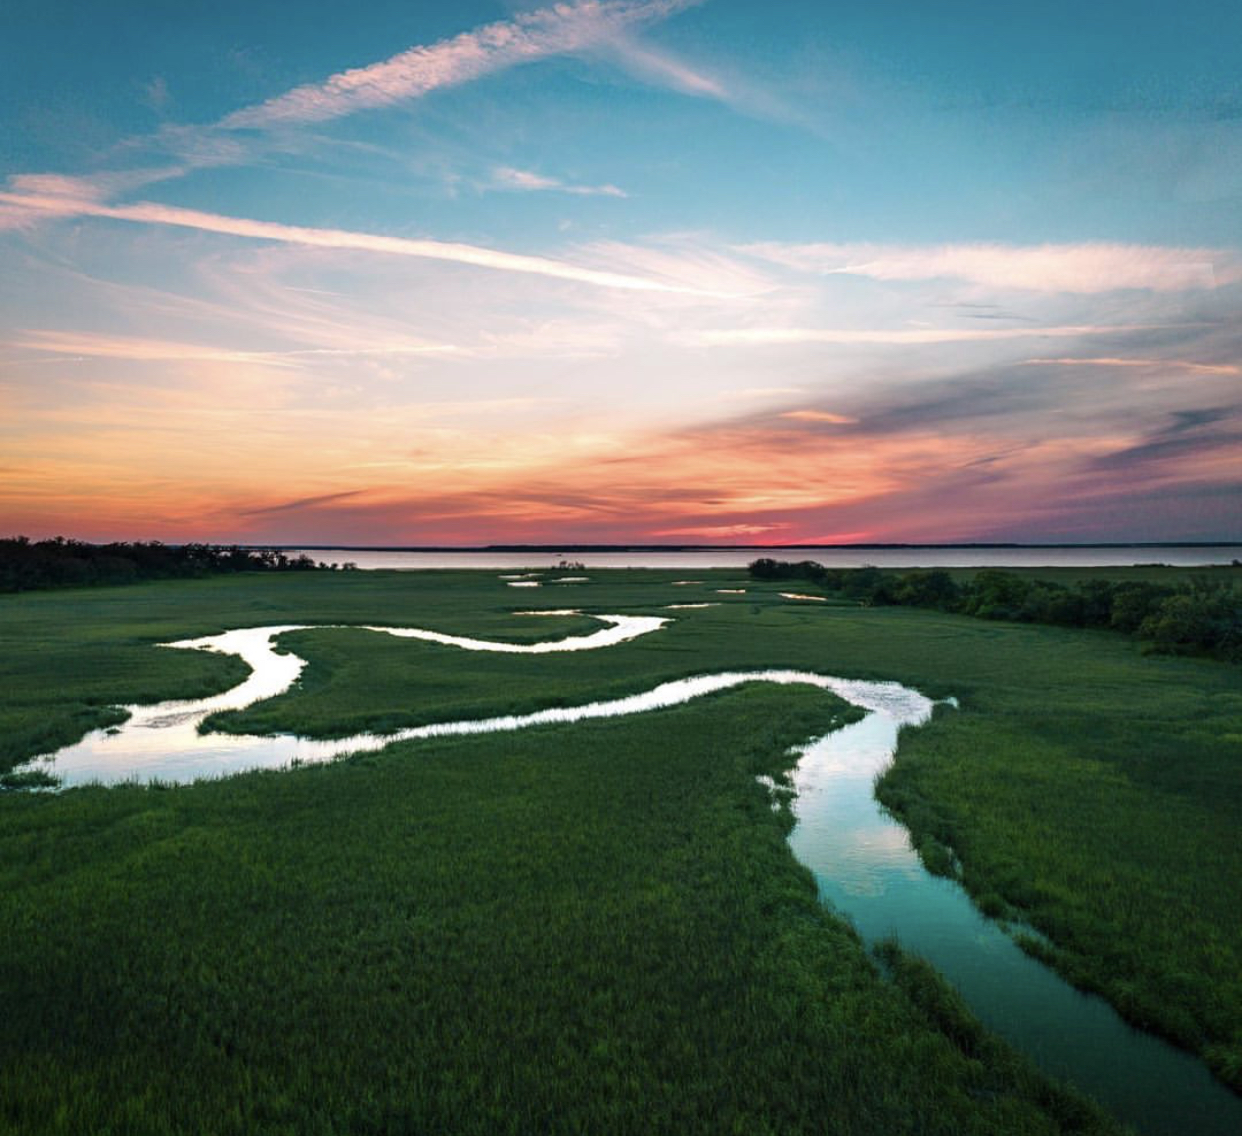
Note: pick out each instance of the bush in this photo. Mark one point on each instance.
(1197, 618)
(26, 565)
(927, 589)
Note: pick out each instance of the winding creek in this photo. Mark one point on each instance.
(860, 856)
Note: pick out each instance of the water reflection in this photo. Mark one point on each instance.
(162, 742)
(861, 857)
(866, 869)
(857, 556)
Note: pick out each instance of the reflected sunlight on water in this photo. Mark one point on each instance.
(861, 856)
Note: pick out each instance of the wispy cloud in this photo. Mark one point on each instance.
(1165, 364)
(819, 416)
(738, 90)
(720, 532)
(156, 94)
(1198, 439)
(557, 30)
(142, 349)
(664, 69)
(300, 503)
(146, 212)
(689, 261)
(506, 177)
(976, 457)
(1075, 268)
(31, 197)
(761, 336)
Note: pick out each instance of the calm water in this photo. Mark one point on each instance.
(866, 869)
(1183, 556)
(162, 742)
(861, 857)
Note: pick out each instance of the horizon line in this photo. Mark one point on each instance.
(628, 547)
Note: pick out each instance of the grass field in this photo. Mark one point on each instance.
(597, 927)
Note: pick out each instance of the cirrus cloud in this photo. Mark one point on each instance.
(506, 177)
(1075, 268)
(557, 30)
(1110, 361)
(769, 336)
(819, 416)
(153, 213)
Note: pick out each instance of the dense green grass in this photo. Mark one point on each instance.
(71, 655)
(1174, 612)
(597, 926)
(1114, 832)
(567, 931)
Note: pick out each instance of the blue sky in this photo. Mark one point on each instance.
(621, 270)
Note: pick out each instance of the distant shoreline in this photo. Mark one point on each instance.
(691, 557)
(555, 548)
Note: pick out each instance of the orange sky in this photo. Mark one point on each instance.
(617, 270)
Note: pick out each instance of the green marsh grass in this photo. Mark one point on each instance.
(588, 928)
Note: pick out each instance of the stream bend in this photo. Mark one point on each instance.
(860, 856)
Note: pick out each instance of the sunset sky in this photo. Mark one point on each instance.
(621, 270)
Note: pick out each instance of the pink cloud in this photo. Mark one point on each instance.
(719, 532)
(144, 349)
(724, 483)
(819, 416)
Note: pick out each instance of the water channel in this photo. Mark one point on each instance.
(860, 856)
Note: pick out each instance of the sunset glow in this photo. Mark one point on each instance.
(621, 270)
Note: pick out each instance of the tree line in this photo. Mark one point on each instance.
(1194, 616)
(26, 565)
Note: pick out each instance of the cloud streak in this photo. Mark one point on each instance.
(1167, 364)
(1074, 268)
(776, 336)
(976, 458)
(300, 503)
(664, 70)
(566, 28)
(557, 30)
(1198, 438)
(145, 350)
(506, 177)
(819, 416)
(152, 213)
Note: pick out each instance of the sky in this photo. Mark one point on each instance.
(607, 271)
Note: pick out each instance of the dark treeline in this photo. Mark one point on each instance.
(58, 563)
(1196, 616)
